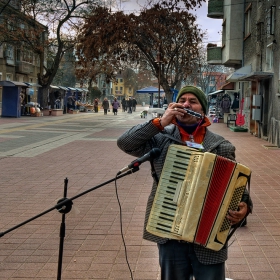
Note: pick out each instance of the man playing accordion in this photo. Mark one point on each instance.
(184, 122)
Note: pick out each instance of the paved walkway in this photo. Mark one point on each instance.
(38, 153)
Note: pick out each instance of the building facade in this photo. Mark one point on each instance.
(250, 44)
(120, 89)
(17, 61)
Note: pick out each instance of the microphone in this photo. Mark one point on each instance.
(154, 153)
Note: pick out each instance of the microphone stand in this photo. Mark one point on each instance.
(64, 206)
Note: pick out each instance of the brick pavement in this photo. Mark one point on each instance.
(37, 154)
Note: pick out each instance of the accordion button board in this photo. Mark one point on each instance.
(195, 192)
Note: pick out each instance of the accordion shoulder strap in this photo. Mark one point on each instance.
(153, 172)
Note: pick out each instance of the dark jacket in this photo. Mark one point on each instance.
(105, 104)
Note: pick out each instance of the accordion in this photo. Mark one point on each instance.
(195, 192)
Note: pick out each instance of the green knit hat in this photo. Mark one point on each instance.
(198, 93)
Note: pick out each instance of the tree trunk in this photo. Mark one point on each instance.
(43, 94)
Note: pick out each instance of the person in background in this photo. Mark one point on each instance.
(183, 260)
(95, 105)
(129, 106)
(115, 105)
(57, 103)
(123, 105)
(71, 102)
(105, 105)
(134, 103)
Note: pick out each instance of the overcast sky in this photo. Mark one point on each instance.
(213, 26)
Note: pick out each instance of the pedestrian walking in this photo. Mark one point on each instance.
(123, 105)
(105, 105)
(115, 105)
(95, 105)
(134, 103)
(129, 106)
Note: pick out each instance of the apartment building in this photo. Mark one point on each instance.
(17, 60)
(120, 89)
(250, 44)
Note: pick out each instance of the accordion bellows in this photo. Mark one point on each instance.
(195, 192)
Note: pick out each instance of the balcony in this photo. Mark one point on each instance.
(214, 55)
(215, 9)
(24, 67)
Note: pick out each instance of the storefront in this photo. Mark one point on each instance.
(13, 98)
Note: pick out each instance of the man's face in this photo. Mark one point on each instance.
(190, 101)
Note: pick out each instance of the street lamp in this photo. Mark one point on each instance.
(160, 63)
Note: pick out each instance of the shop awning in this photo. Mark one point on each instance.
(149, 90)
(72, 89)
(64, 88)
(12, 84)
(234, 77)
(33, 85)
(228, 86)
(216, 92)
(52, 86)
(255, 76)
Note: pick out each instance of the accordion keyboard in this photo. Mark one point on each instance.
(174, 188)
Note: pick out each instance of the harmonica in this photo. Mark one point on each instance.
(192, 113)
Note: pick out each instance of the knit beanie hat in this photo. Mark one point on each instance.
(198, 93)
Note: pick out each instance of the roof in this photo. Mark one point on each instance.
(234, 77)
(216, 92)
(149, 90)
(64, 88)
(12, 84)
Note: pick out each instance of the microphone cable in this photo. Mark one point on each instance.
(121, 226)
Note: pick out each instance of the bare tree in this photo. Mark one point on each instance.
(163, 40)
(202, 72)
(49, 28)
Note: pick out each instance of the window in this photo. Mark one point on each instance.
(9, 52)
(9, 77)
(117, 88)
(18, 54)
(269, 57)
(121, 80)
(248, 20)
(272, 20)
(121, 88)
(24, 55)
